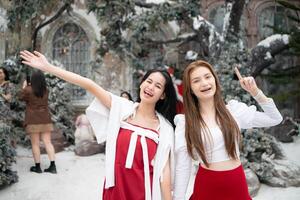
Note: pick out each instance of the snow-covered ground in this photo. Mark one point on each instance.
(81, 178)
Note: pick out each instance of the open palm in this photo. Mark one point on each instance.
(35, 60)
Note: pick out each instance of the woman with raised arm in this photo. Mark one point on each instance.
(139, 136)
(210, 132)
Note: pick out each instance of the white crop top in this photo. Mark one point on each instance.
(245, 116)
(215, 148)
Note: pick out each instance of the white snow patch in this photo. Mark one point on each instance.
(155, 1)
(197, 22)
(285, 39)
(268, 56)
(266, 42)
(10, 62)
(191, 55)
(3, 20)
(174, 26)
(82, 178)
(241, 44)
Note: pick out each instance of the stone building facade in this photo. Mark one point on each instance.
(82, 31)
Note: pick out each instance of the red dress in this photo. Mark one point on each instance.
(129, 183)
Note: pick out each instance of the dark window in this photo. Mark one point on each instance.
(71, 47)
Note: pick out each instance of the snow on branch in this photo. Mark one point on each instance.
(208, 37)
(200, 24)
(181, 38)
(263, 54)
(273, 39)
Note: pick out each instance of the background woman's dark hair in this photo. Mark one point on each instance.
(38, 83)
(166, 106)
(5, 73)
(128, 94)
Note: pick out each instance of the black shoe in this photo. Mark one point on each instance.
(51, 169)
(36, 169)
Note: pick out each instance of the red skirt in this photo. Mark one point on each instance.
(129, 183)
(220, 185)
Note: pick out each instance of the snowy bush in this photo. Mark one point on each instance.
(7, 157)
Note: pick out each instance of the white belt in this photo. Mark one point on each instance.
(131, 150)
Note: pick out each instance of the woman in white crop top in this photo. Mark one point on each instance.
(210, 131)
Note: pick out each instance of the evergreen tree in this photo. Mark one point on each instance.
(7, 157)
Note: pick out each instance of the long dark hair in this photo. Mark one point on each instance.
(6, 74)
(128, 95)
(38, 84)
(195, 125)
(167, 106)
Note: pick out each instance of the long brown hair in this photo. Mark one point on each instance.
(195, 126)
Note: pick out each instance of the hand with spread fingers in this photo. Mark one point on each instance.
(35, 60)
(247, 83)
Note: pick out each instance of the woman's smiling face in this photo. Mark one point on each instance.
(203, 83)
(152, 88)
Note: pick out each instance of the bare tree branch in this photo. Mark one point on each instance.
(66, 6)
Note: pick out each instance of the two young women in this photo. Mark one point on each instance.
(139, 136)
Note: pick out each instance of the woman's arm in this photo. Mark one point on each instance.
(183, 161)
(166, 185)
(270, 117)
(39, 61)
(249, 84)
(183, 168)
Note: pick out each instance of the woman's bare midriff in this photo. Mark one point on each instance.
(223, 166)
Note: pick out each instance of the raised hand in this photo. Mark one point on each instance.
(247, 83)
(35, 60)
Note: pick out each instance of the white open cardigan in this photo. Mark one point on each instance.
(106, 124)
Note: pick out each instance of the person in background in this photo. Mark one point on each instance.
(38, 122)
(126, 95)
